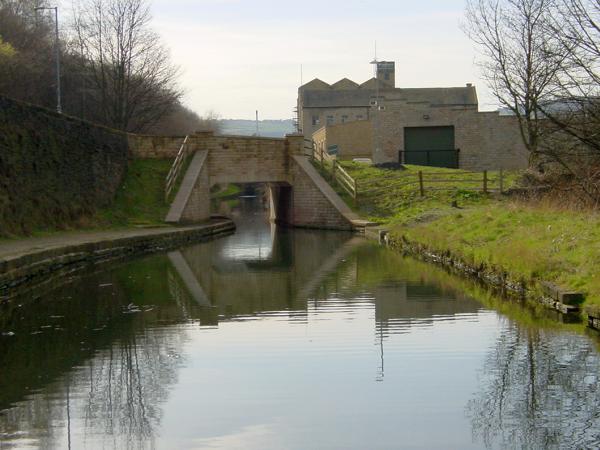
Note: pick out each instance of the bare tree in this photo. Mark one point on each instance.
(513, 38)
(133, 82)
(182, 121)
(26, 70)
(210, 121)
(575, 111)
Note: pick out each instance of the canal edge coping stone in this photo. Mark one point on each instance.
(565, 302)
(34, 267)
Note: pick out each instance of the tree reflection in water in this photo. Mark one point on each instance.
(101, 374)
(117, 395)
(538, 391)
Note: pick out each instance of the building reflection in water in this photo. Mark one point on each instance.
(95, 361)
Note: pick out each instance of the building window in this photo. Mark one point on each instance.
(316, 120)
(329, 120)
(387, 76)
(344, 119)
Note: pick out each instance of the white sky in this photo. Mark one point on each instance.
(238, 56)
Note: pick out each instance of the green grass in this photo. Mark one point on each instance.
(230, 191)
(529, 241)
(139, 202)
(393, 197)
(140, 199)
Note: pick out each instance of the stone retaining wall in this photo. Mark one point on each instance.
(154, 147)
(490, 276)
(54, 169)
(487, 140)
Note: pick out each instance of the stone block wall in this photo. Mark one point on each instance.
(154, 147)
(337, 113)
(310, 207)
(353, 139)
(487, 140)
(246, 159)
(280, 203)
(54, 169)
(298, 197)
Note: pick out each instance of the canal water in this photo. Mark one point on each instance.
(288, 339)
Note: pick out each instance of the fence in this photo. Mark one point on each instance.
(486, 181)
(330, 165)
(173, 174)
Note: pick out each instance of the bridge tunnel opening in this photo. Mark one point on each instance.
(247, 203)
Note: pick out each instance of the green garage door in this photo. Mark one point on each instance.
(430, 146)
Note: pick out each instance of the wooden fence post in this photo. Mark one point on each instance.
(501, 181)
(321, 151)
(485, 182)
(421, 187)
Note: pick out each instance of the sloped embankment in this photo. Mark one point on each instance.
(528, 244)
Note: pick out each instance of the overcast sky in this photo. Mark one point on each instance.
(238, 56)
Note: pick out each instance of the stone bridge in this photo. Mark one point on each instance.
(298, 195)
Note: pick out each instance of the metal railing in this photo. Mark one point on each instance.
(427, 157)
(173, 175)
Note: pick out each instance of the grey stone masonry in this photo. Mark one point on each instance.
(278, 162)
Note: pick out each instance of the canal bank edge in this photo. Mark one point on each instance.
(20, 271)
(541, 292)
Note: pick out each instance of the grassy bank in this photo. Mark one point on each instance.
(529, 241)
(140, 201)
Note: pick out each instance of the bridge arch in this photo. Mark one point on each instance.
(298, 195)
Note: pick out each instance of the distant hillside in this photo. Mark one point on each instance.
(266, 128)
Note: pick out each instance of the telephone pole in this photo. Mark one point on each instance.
(57, 56)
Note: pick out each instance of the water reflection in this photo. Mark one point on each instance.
(286, 339)
(539, 389)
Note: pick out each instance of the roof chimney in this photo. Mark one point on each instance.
(386, 72)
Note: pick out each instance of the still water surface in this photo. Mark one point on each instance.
(281, 339)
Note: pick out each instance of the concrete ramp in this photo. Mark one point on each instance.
(327, 267)
(188, 278)
(191, 202)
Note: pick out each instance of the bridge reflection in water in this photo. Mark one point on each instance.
(264, 269)
(273, 338)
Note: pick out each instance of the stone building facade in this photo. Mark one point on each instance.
(427, 126)
(355, 139)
